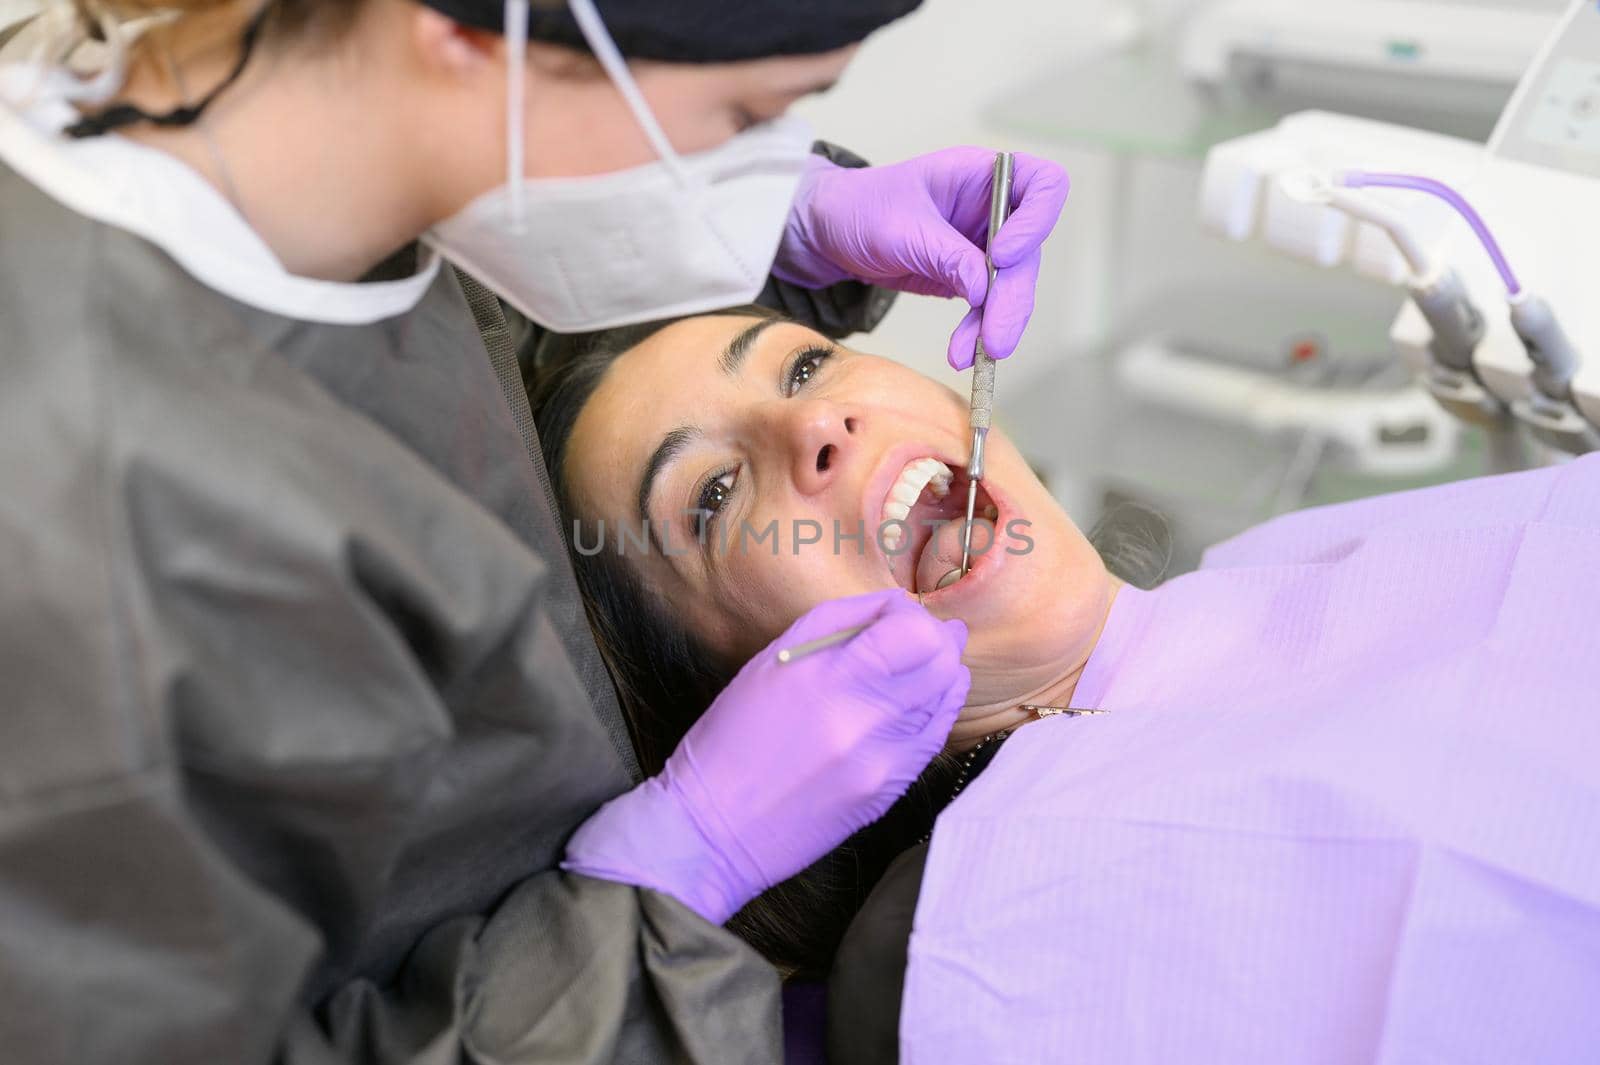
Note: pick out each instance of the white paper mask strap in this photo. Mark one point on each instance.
(516, 106)
(605, 50)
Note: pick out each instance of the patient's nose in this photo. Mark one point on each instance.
(821, 440)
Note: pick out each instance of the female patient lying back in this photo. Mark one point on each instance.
(1343, 803)
(776, 470)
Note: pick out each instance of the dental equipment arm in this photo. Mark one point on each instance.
(1458, 327)
(982, 361)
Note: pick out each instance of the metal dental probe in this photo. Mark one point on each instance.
(811, 647)
(982, 364)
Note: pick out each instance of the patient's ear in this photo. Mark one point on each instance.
(446, 48)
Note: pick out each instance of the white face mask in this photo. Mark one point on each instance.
(672, 237)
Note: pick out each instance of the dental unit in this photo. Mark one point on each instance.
(1458, 326)
(1497, 347)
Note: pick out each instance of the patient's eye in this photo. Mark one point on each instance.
(804, 366)
(713, 497)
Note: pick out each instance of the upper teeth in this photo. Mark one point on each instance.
(919, 474)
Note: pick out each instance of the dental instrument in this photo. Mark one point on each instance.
(811, 647)
(982, 362)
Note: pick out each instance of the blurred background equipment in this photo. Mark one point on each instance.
(1437, 64)
(1501, 311)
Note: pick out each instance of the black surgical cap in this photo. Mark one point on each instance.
(698, 31)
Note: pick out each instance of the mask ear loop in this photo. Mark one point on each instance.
(516, 108)
(57, 23)
(605, 50)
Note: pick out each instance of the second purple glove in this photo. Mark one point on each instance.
(920, 226)
(790, 761)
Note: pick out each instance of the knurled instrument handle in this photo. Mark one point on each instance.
(982, 364)
(982, 388)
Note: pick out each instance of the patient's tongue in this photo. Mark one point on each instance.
(942, 553)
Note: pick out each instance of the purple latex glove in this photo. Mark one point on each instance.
(920, 226)
(790, 760)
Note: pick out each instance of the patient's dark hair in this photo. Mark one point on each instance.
(666, 679)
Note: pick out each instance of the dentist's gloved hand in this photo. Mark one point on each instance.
(919, 226)
(790, 761)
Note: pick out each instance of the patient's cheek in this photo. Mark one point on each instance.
(761, 594)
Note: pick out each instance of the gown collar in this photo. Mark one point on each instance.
(155, 196)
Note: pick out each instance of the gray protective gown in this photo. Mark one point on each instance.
(292, 735)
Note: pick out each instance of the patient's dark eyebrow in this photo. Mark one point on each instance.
(739, 347)
(671, 444)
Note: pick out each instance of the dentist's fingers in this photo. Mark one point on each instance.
(943, 719)
(963, 342)
(935, 690)
(1009, 306)
(1038, 193)
(1001, 319)
(943, 262)
(905, 642)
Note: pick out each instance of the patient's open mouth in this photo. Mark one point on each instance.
(921, 525)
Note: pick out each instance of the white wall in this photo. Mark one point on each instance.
(10, 10)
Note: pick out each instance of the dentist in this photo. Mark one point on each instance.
(302, 713)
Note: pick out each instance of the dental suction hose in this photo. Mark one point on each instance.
(1439, 293)
(1361, 179)
(1458, 327)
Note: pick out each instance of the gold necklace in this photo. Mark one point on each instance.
(1058, 711)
